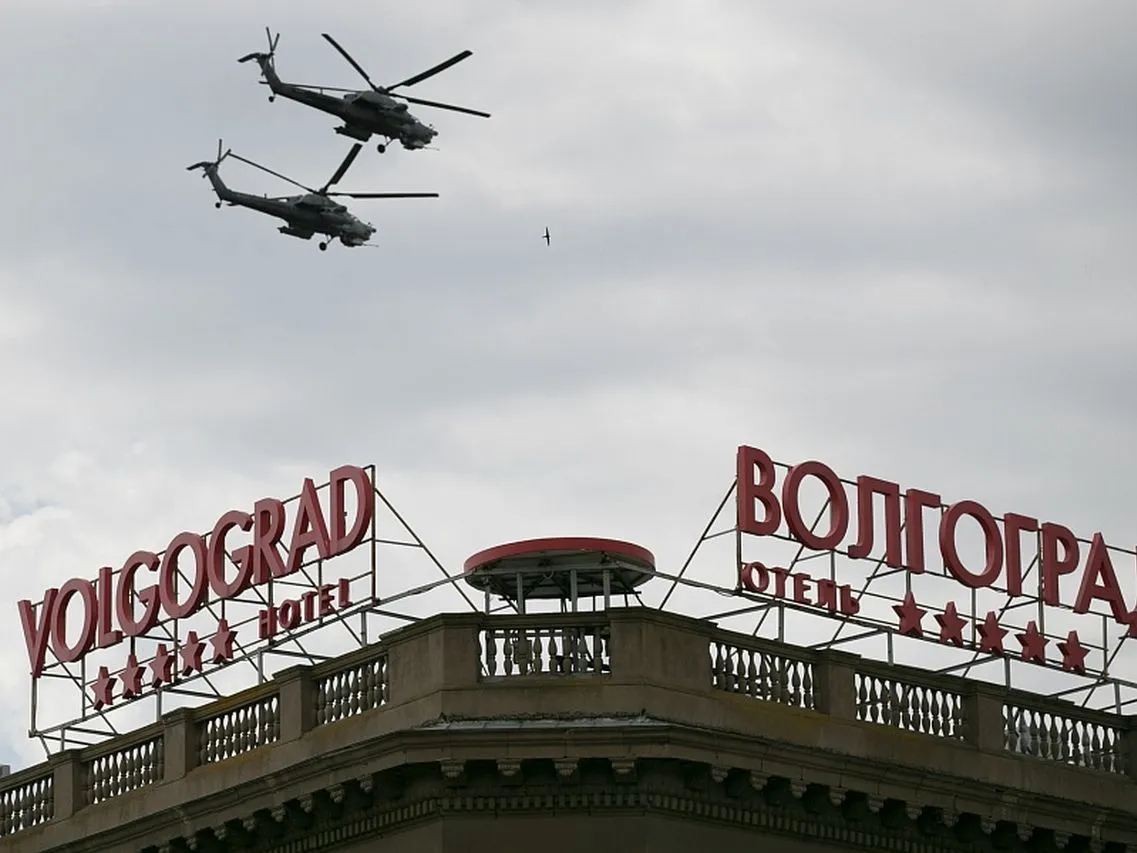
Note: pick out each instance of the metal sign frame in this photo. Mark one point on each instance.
(1109, 681)
(68, 719)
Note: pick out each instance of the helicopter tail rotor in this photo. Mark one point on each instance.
(263, 57)
(206, 165)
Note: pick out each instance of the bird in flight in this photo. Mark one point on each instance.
(546, 237)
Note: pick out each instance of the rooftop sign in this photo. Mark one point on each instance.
(147, 597)
(1075, 575)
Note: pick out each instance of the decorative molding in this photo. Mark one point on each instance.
(623, 766)
(508, 768)
(771, 821)
(776, 816)
(452, 769)
(566, 766)
(366, 783)
(220, 832)
(336, 792)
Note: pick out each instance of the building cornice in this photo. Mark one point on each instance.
(717, 764)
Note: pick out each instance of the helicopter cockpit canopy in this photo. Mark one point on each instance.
(313, 200)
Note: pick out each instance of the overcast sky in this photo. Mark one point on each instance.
(885, 235)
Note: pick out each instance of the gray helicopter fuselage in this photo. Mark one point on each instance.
(368, 112)
(305, 214)
(364, 113)
(368, 108)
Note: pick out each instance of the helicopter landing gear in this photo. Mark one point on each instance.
(323, 247)
(217, 204)
(381, 147)
(271, 98)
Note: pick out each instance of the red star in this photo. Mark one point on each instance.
(1073, 654)
(222, 642)
(162, 666)
(191, 652)
(131, 678)
(910, 616)
(1033, 643)
(951, 625)
(103, 688)
(991, 635)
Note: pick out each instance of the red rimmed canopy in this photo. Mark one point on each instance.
(546, 567)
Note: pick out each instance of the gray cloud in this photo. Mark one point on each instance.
(898, 241)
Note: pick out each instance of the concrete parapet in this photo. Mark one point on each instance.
(665, 686)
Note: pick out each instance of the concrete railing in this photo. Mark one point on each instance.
(944, 706)
(472, 651)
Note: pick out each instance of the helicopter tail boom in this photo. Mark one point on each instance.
(209, 167)
(219, 187)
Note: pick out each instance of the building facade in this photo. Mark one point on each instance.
(625, 730)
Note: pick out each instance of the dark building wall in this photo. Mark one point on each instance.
(632, 833)
(553, 833)
(425, 838)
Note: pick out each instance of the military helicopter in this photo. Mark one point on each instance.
(303, 215)
(363, 112)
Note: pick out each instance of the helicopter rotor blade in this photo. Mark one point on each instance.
(442, 66)
(205, 164)
(344, 166)
(351, 61)
(271, 41)
(442, 106)
(271, 172)
(385, 195)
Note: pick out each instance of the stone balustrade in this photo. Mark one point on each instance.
(474, 652)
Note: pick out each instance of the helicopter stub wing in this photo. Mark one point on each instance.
(300, 233)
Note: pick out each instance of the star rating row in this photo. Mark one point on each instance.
(163, 665)
(991, 634)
